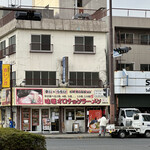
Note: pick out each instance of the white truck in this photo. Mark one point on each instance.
(140, 125)
(125, 116)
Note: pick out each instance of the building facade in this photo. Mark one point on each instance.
(58, 73)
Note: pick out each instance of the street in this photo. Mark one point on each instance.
(99, 144)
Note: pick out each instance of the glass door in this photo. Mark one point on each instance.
(55, 119)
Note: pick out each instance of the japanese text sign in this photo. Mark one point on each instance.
(5, 75)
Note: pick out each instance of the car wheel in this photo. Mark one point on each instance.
(122, 134)
(147, 134)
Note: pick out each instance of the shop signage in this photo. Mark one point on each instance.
(60, 97)
(147, 85)
(29, 96)
(93, 123)
(1, 74)
(70, 96)
(5, 75)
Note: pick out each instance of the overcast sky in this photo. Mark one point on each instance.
(138, 4)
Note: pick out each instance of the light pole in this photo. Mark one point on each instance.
(11, 97)
(111, 66)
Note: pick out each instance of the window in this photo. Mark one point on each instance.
(79, 3)
(146, 117)
(40, 78)
(12, 44)
(128, 67)
(3, 48)
(14, 78)
(126, 38)
(122, 113)
(84, 44)
(40, 43)
(84, 78)
(130, 113)
(144, 39)
(136, 117)
(145, 67)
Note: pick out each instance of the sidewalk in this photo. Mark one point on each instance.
(74, 135)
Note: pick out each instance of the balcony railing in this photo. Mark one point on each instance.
(39, 47)
(42, 82)
(8, 51)
(133, 41)
(88, 49)
(85, 83)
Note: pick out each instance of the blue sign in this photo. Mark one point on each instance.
(64, 70)
(0, 72)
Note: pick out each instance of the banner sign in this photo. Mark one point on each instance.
(29, 96)
(5, 75)
(94, 115)
(61, 97)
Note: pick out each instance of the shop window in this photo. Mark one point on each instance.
(84, 79)
(40, 78)
(35, 117)
(45, 113)
(84, 44)
(40, 43)
(26, 119)
(70, 114)
(79, 114)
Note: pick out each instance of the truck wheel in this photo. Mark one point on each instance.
(122, 134)
(147, 134)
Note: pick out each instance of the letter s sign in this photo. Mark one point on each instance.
(147, 82)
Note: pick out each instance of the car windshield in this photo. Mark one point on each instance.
(130, 113)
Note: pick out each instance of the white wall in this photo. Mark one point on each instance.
(62, 46)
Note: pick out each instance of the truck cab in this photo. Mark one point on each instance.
(142, 122)
(126, 116)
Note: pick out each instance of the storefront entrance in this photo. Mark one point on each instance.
(74, 115)
(40, 119)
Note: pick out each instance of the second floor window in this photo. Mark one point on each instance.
(3, 48)
(125, 38)
(84, 44)
(40, 43)
(12, 44)
(84, 78)
(40, 78)
(145, 67)
(128, 67)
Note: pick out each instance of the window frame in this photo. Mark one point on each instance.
(32, 74)
(75, 82)
(40, 44)
(84, 45)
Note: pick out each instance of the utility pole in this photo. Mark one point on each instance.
(111, 67)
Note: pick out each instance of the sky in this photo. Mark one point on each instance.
(137, 4)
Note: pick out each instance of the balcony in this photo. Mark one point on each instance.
(84, 49)
(8, 51)
(41, 48)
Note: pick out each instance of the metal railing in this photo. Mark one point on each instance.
(39, 47)
(89, 49)
(8, 51)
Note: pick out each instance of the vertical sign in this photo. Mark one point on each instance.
(5, 75)
(0, 74)
(65, 70)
